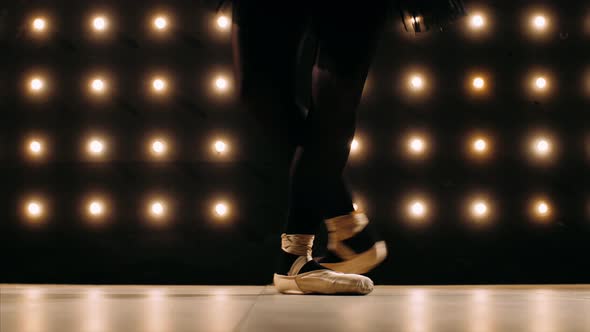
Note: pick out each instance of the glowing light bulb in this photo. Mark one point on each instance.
(478, 83)
(416, 145)
(479, 145)
(37, 84)
(98, 85)
(477, 21)
(96, 147)
(416, 82)
(159, 84)
(221, 84)
(542, 147)
(39, 24)
(539, 22)
(223, 22)
(160, 23)
(96, 208)
(99, 23)
(158, 147)
(540, 83)
(417, 209)
(157, 209)
(354, 145)
(34, 209)
(479, 209)
(35, 147)
(220, 146)
(221, 209)
(541, 210)
(355, 206)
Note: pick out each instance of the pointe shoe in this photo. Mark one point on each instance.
(344, 233)
(320, 280)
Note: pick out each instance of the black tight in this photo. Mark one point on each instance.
(266, 38)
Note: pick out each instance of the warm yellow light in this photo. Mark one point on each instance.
(220, 146)
(35, 147)
(541, 209)
(36, 84)
(354, 145)
(480, 145)
(159, 85)
(221, 84)
(478, 83)
(157, 209)
(540, 83)
(158, 147)
(477, 21)
(416, 82)
(96, 147)
(99, 23)
(34, 209)
(542, 147)
(355, 206)
(96, 208)
(417, 209)
(221, 209)
(416, 145)
(479, 209)
(98, 85)
(39, 24)
(539, 22)
(223, 22)
(160, 23)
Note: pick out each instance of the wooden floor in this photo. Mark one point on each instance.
(64, 308)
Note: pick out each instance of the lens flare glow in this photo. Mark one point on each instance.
(39, 24)
(98, 86)
(417, 209)
(539, 22)
(36, 84)
(99, 23)
(96, 208)
(223, 22)
(540, 83)
(354, 145)
(221, 209)
(478, 83)
(96, 147)
(220, 146)
(159, 85)
(221, 84)
(160, 23)
(157, 209)
(541, 147)
(416, 83)
(540, 209)
(477, 21)
(158, 147)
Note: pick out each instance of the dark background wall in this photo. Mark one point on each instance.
(195, 247)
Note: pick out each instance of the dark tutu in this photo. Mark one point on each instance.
(416, 15)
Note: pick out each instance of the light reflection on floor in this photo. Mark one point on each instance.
(539, 308)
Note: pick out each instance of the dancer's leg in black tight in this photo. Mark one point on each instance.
(265, 57)
(347, 37)
(265, 48)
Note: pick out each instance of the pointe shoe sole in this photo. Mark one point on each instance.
(323, 282)
(363, 262)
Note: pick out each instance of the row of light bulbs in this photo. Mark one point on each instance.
(478, 20)
(477, 208)
(415, 145)
(37, 84)
(100, 23)
(159, 85)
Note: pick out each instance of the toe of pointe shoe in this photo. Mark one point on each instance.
(323, 282)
